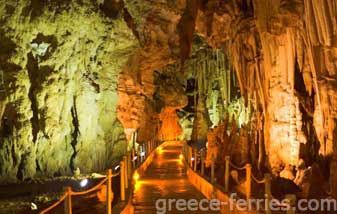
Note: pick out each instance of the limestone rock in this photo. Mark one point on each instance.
(60, 63)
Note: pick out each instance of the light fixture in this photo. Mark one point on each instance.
(84, 182)
(117, 167)
(135, 176)
(192, 158)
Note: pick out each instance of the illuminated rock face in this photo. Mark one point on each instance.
(170, 128)
(284, 53)
(60, 63)
(156, 24)
(173, 98)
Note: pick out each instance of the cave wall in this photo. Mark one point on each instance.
(273, 44)
(172, 96)
(157, 26)
(60, 62)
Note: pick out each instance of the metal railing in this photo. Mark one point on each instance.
(127, 167)
(191, 158)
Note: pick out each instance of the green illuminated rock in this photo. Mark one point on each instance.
(60, 63)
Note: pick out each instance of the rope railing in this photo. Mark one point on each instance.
(66, 198)
(258, 181)
(55, 204)
(90, 190)
(127, 166)
(191, 158)
(236, 167)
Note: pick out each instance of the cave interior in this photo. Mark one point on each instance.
(84, 81)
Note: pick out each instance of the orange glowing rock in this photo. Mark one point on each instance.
(170, 128)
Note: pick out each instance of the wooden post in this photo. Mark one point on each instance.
(202, 164)
(227, 173)
(184, 151)
(108, 193)
(190, 156)
(146, 149)
(67, 202)
(126, 185)
(212, 170)
(248, 180)
(129, 166)
(122, 179)
(187, 155)
(133, 159)
(268, 197)
(139, 158)
(195, 159)
(292, 202)
(144, 152)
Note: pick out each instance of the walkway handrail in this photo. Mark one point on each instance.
(69, 193)
(55, 204)
(236, 167)
(192, 161)
(126, 167)
(90, 190)
(258, 181)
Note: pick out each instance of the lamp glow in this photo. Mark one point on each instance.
(84, 182)
(181, 156)
(135, 158)
(136, 176)
(142, 154)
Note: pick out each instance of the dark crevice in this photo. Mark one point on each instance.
(32, 67)
(38, 75)
(310, 151)
(130, 22)
(38, 168)
(19, 174)
(75, 133)
(91, 78)
(112, 8)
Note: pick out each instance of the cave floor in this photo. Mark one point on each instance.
(165, 178)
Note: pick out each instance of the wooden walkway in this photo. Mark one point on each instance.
(165, 178)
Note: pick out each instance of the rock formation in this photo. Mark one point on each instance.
(61, 61)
